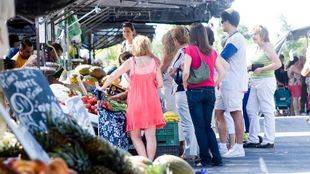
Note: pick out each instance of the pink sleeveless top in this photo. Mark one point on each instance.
(144, 109)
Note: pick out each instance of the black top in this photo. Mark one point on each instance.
(281, 75)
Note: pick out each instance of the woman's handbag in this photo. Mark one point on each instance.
(200, 74)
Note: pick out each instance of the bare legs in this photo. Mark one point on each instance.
(150, 149)
(222, 127)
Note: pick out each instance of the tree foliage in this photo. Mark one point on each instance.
(297, 47)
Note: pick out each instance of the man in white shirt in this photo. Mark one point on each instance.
(233, 85)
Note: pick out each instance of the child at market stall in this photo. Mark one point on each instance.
(124, 78)
(144, 109)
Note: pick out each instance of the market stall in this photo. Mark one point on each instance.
(64, 120)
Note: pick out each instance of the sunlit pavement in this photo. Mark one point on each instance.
(290, 155)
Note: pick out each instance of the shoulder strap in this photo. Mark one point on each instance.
(179, 56)
(133, 61)
(155, 64)
(198, 52)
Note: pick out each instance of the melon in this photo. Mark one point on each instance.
(97, 72)
(83, 69)
(140, 164)
(175, 164)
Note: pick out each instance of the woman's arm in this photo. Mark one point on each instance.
(272, 55)
(117, 73)
(120, 96)
(220, 71)
(186, 68)
(159, 78)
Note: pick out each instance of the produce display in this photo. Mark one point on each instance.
(89, 80)
(18, 166)
(175, 164)
(90, 103)
(9, 145)
(170, 116)
(83, 69)
(82, 151)
(114, 106)
(97, 72)
(86, 153)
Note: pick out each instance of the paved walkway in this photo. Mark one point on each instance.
(290, 155)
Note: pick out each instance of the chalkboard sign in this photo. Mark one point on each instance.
(30, 145)
(30, 97)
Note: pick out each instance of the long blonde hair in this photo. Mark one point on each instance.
(168, 44)
(141, 46)
(263, 33)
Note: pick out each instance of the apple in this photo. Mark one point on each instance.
(88, 106)
(93, 107)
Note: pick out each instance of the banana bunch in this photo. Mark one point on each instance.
(73, 79)
(170, 116)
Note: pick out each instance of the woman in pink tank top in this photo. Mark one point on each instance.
(144, 109)
(201, 96)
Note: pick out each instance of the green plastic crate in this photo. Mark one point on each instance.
(168, 136)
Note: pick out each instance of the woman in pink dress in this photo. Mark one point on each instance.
(144, 109)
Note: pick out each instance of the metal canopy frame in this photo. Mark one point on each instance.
(140, 12)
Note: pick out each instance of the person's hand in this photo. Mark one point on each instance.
(172, 72)
(100, 88)
(185, 84)
(217, 84)
(258, 70)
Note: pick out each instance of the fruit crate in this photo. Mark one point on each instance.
(169, 150)
(168, 136)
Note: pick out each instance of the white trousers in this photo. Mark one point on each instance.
(170, 105)
(261, 101)
(187, 126)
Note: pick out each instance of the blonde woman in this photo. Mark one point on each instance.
(263, 86)
(144, 110)
(169, 50)
(181, 39)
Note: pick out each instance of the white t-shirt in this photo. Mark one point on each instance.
(126, 47)
(236, 78)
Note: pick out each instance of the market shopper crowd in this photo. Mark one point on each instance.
(200, 84)
(191, 71)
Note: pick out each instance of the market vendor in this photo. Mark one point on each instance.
(25, 51)
(128, 33)
(53, 71)
(52, 56)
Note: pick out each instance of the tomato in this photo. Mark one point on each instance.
(88, 105)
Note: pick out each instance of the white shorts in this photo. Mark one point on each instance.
(229, 100)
